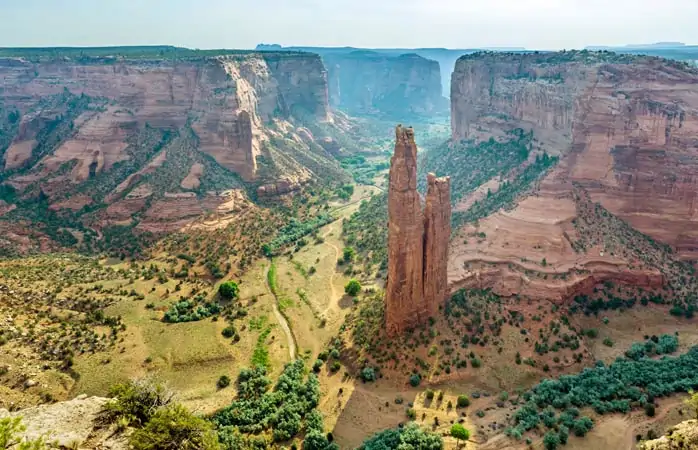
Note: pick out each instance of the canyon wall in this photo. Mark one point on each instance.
(417, 241)
(626, 130)
(127, 131)
(366, 82)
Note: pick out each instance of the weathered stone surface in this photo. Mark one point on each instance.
(369, 82)
(417, 241)
(626, 126)
(625, 130)
(683, 436)
(404, 293)
(437, 233)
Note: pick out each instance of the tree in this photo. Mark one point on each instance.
(459, 432)
(229, 290)
(348, 254)
(353, 287)
(551, 440)
(175, 427)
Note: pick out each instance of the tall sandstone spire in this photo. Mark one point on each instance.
(405, 237)
(417, 241)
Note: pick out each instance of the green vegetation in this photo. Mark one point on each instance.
(619, 387)
(282, 412)
(463, 401)
(135, 402)
(229, 290)
(366, 230)
(11, 430)
(664, 344)
(508, 192)
(352, 288)
(190, 311)
(409, 437)
(175, 427)
(294, 231)
(460, 433)
(260, 355)
(472, 164)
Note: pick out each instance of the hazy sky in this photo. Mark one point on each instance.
(544, 24)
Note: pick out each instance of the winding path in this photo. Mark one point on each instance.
(280, 318)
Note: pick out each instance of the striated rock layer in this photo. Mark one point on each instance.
(417, 241)
(368, 82)
(626, 125)
(127, 136)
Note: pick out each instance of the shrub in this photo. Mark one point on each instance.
(335, 366)
(348, 254)
(650, 409)
(551, 440)
(135, 402)
(175, 427)
(429, 394)
(11, 429)
(368, 374)
(415, 379)
(463, 401)
(229, 331)
(411, 413)
(317, 365)
(411, 436)
(223, 382)
(352, 288)
(229, 290)
(608, 342)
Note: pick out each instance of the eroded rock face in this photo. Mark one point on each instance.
(682, 436)
(437, 233)
(417, 241)
(626, 127)
(123, 133)
(368, 82)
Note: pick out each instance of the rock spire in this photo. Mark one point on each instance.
(417, 240)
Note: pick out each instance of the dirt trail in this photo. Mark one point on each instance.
(665, 409)
(280, 317)
(335, 299)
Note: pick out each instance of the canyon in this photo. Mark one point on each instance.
(159, 140)
(417, 240)
(624, 128)
(393, 82)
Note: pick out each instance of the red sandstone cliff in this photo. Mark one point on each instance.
(417, 241)
(138, 129)
(625, 128)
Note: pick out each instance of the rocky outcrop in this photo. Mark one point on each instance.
(625, 130)
(366, 82)
(70, 424)
(682, 436)
(627, 124)
(417, 241)
(127, 131)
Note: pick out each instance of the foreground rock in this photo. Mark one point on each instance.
(682, 436)
(70, 424)
(417, 241)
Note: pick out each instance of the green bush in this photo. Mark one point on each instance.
(409, 437)
(229, 290)
(352, 288)
(174, 427)
(135, 402)
(415, 379)
(223, 382)
(463, 401)
(368, 374)
(317, 365)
